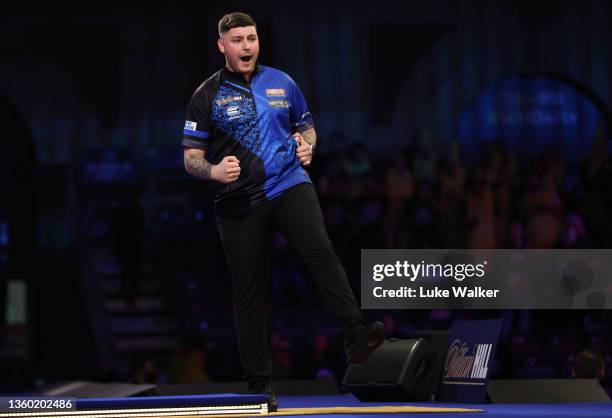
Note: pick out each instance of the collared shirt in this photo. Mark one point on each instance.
(253, 122)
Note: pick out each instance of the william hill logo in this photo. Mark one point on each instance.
(464, 364)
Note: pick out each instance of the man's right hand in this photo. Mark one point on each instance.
(227, 171)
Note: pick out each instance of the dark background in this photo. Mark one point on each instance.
(116, 246)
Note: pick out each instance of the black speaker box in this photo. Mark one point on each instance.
(399, 370)
(546, 391)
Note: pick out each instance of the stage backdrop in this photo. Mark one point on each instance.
(530, 113)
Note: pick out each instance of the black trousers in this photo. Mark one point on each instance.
(297, 215)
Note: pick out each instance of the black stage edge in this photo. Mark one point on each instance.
(281, 387)
(546, 391)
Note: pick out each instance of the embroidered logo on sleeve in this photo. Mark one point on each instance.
(275, 92)
(190, 126)
(279, 104)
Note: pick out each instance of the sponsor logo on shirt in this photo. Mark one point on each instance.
(279, 104)
(229, 99)
(190, 126)
(233, 112)
(275, 92)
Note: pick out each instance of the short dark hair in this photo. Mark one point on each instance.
(588, 365)
(235, 20)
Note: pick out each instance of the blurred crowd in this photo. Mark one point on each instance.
(420, 198)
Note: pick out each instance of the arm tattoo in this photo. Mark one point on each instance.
(198, 167)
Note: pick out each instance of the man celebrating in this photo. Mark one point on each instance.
(252, 124)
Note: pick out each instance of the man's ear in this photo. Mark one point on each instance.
(220, 45)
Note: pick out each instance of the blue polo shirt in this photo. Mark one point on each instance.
(253, 122)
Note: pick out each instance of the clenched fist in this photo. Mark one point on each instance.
(227, 171)
(304, 150)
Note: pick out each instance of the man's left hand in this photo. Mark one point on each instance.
(304, 150)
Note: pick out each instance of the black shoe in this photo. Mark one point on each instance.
(362, 340)
(259, 386)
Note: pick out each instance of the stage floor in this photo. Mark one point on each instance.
(490, 410)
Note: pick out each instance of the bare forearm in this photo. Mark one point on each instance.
(198, 167)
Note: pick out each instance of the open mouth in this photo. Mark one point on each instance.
(246, 58)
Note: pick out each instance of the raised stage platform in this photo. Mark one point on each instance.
(489, 410)
(322, 406)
